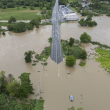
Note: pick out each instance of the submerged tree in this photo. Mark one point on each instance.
(85, 37)
(13, 87)
(26, 87)
(71, 41)
(70, 61)
(3, 82)
(28, 56)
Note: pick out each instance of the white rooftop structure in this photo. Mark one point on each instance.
(68, 14)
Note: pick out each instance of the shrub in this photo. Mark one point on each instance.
(4, 7)
(10, 5)
(19, 27)
(71, 41)
(32, 22)
(82, 63)
(85, 37)
(70, 61)
(3, 33)
(10, 27)
(12, 19)
(26, 87)
(85, 12)
(76, 41)
(82, 22)
(83, 55)
(30, 26)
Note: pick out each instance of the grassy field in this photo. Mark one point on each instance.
(3, 24)
(19, 13)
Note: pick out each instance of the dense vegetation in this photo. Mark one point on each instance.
(70, 61)
(85, 37)
(103, 56)
(22, 27)
(87, 22)
(11, 89)
(101, 45)
(68, 48)
(32, 3)
(63, 2)
(101, 7)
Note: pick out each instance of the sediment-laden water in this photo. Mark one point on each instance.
(89, 85)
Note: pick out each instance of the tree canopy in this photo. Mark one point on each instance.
(85, 37)
(70, 61)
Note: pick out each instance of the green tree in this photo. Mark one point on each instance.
(26, 87)
(70, 61)
(50, 40)
(82, 22)
(13, 87)
(88, 18)
(3, 33)
(71, 41)
(3, 82)
(12, 19)
(83, 55)
(29, 26)
(10, 5)
(3, 99)
(85, 12)
(28, 56)
(32, 7)
(85, 37)
(19, 27)
(10, 27)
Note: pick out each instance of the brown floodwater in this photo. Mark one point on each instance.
(89, 85)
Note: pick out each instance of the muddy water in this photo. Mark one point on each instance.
(88, 85)
(99, 33)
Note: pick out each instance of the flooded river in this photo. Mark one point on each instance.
(89, 85)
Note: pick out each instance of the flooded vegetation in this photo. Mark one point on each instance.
(88, 84)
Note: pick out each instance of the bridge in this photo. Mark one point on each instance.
(56, 49)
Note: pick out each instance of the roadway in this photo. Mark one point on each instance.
(56, 50)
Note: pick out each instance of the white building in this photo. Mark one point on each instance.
(68, 14)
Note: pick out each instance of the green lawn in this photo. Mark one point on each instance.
(19, 13)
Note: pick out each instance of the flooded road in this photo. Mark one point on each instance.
(88, 85)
